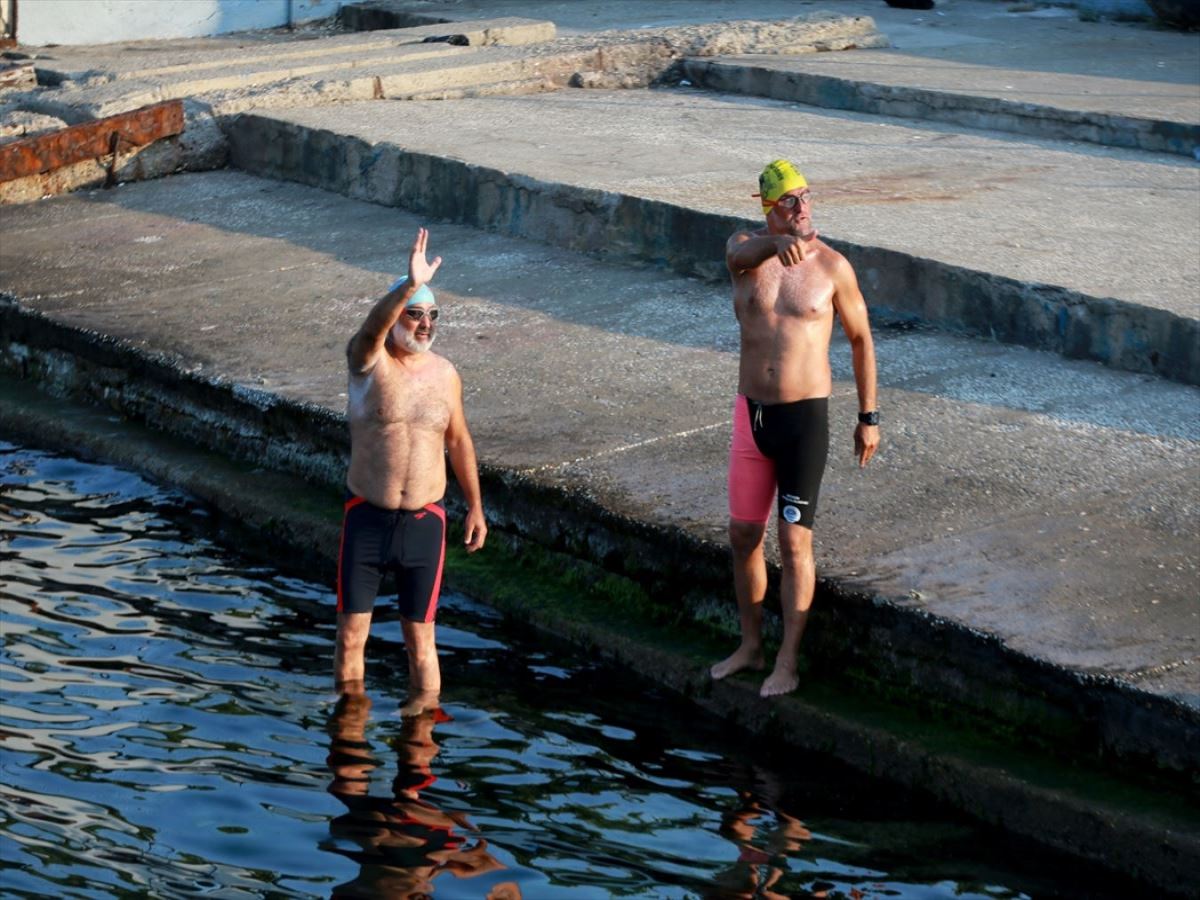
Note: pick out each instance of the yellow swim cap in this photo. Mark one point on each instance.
(777, 179)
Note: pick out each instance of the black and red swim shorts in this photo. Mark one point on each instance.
(408, 543)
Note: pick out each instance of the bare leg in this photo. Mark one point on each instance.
(424, 672)
(749, 586)
(348, 665)
(797, 583)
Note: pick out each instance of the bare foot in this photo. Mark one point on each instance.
(418, 703)
(743, 658)
(783, 680)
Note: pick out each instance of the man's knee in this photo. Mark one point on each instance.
(795, 545)
(419, 638)
(746, 537)
(353, 629)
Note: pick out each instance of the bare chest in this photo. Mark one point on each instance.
(803, 292)
(390, 396)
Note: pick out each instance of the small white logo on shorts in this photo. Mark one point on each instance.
(792, 514)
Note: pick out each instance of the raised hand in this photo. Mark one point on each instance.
(420, 271)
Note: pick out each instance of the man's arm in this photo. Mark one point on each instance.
(364, 348)
(461, 450)
(852, 310)
(747, 250)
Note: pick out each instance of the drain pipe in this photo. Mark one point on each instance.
(289, 14)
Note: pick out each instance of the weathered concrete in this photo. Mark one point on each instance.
(939, 225)
(1025, 569)
(480, 59)
(100, 81)
(103, 83)
(910, 87)
(242, 62)
(1036, 70)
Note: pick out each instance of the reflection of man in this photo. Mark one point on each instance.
(787, 286)
(405, 841)
(406, 414)
(766, 839)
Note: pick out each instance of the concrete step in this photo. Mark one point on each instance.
(1033, 69)
(403, 63)
(984, 234)
(332, 69)
(254, 84)
(178, 61)
(1024, 550)
(1160, 116)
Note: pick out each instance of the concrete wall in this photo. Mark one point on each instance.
(103, 21)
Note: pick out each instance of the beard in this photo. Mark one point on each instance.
(412, 343)
(805, 232)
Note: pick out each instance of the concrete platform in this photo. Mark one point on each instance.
(1033, 211)
(1109, 111)
(1007, 229)
(1049, 504)
(1037, 70)
(985, 233)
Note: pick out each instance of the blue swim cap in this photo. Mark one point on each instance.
(423, 294)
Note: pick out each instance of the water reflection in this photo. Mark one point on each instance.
(403, 841)
(765, 837)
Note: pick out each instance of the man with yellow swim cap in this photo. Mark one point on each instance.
(788, 285)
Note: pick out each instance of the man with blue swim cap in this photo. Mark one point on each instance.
(788, 287)
(406, 417)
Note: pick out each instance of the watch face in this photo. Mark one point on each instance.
(871, 418)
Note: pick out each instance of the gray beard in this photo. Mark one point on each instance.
(412, 345)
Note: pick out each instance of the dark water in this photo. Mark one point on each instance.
(168, 729)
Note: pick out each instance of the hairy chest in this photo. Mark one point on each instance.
(390, 396)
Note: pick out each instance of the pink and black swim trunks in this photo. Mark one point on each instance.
(777, 447)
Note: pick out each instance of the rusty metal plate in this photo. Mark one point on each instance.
(90, 140)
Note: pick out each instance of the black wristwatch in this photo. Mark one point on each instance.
(869, 418)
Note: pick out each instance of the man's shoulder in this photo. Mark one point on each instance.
(832, 258)
(747, 233)
(442, 367)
